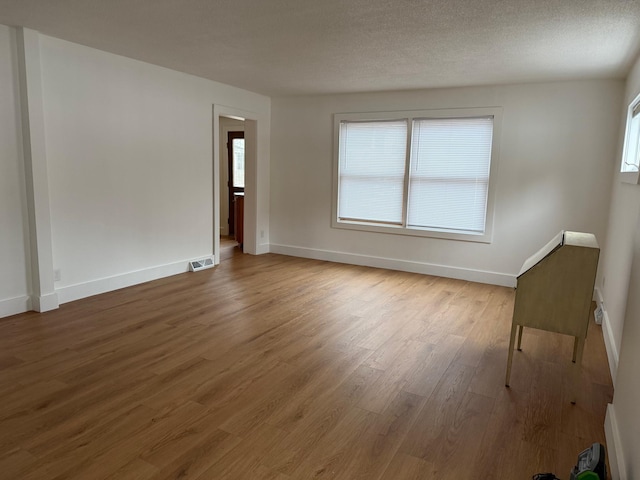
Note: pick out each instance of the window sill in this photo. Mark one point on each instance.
(630, 177)
(413, 232)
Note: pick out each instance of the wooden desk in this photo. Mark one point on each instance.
(554, 292)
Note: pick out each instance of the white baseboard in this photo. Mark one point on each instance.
(614, 447)
(263, 248)
(102, 285)
(610, 347)
(13, 306)
(607, 333)
(46, 302)
(597, 296)
(481, 276)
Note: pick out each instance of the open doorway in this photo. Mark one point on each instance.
(256, 200)
(232, 185)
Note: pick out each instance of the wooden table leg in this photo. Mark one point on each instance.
(520, 337)
(579, 347)
(510, 358)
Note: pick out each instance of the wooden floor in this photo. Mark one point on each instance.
(275, 367)
(228, 247)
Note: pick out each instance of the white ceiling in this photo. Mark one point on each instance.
(290, 47)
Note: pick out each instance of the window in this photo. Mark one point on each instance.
(372, 171)
(631, 153)
(421, 173)
(237, 144)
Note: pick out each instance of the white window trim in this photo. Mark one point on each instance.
(410, 115)
(629, 177)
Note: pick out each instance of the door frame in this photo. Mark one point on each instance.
(256, 207)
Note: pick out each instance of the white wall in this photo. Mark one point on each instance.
(556, 154)
(128, 148)
(14, 281)
(621, 292)
(226, 125)
(622, 424)
(616, 262)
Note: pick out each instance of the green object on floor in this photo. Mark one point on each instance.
(588, 476)
(591, 464)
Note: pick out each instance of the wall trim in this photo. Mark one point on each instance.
(15, 305)
(44, 303)
(108, 284)
(610, 347)
(607, 333)
(262, 248)
(34, 154)
(614, 445)
(481, 276)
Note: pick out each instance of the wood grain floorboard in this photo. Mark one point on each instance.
(280, 368)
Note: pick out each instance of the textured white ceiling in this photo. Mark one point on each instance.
(290, 47)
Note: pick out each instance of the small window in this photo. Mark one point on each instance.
(423, 173)
(630, 165)
(238, 162)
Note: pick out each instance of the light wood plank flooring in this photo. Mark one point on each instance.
(275, 367)
(228, 247)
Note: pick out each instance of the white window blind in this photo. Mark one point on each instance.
(372, 158)
(424, 173)
(449, 173)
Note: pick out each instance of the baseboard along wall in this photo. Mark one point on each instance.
(480, 276)
(94, 287)
(13, 306)
(614, 446)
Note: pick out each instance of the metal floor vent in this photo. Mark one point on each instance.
(599, 313)
(195, 265)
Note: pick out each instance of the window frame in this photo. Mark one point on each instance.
(631, 176)
(410, 116)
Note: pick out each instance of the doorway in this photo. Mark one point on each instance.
(256, 201)
(232, 183)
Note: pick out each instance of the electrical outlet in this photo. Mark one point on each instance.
(57, 275)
